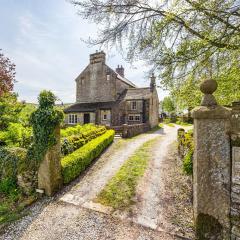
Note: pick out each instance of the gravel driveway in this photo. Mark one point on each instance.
(70, 214)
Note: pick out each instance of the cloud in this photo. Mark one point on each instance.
(44, 43)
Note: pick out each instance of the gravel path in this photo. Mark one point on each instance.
(150, 205)
(103, 170)
(67, 215)
(156, 203)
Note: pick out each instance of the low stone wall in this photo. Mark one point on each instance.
(133, 130)
(235, 186)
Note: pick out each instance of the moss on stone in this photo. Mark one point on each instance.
(236, 141)
(208, 227)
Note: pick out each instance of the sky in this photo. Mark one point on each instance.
(44, 39)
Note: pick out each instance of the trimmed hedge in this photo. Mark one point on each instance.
(75, 163)
(71, 143)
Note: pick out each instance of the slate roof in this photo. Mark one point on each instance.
(125, 80)
(138, 93)
(121, 78)
(88, 107)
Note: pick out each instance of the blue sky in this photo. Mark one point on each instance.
(43, 39)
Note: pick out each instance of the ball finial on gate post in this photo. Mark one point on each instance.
(208, 87)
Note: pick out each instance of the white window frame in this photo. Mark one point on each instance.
(133, 105)
(104, 117)
(108, 77)
(72, 119)
(134, 117)
(137, 117)
(130, 116)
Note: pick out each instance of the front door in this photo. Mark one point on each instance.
(86, 118)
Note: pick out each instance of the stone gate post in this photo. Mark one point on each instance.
(49, 173)
(211, 166)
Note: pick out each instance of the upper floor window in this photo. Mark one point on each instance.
(82, 80)
(108, 77)
(134, 105)
(72, 118)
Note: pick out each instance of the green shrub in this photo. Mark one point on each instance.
(79, 129)
(16, 135)
(75, 163)
(71, 143)
(10, 162)
(186, 150)
(8, 186)
(166, 120)
(188, 163)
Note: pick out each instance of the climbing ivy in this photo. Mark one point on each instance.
(44, 121)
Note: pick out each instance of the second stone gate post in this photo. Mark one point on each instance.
(211, 166)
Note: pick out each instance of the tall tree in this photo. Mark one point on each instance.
(168, 105)
(178, 38)
(7, 74)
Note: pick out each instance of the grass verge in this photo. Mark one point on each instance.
(183, 123)
(120, 190)
(170, 124)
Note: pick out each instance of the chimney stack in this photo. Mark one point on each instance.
(98, 57)
(120, 70)
(153, 82)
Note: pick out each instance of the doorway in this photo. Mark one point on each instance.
(86, 118)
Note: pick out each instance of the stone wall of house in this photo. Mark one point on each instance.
(121, 86)
(97, 83)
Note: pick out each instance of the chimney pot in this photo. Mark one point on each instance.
(120, 70)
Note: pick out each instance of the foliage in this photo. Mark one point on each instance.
(24, 115)
(178, 122)
(12, 205)
(9, 110)
(185, 41)
(16, 135)
(168, 105)
(75, 163)
(188, 162)
(7, 74)
(186, 144)
(44, 122)
(73, 142)
(188, 95)
(78, 129)
(10, 163)
(120, 190)
(179, 38)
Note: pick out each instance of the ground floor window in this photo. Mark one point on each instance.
(72, 118)
(134, 117)
(104, 117)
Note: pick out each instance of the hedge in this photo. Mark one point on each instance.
(10, 162)
(79, 129)
(186, 147)
(75, 163)
(72, 143)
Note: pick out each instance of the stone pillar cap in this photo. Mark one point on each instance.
(208, 87)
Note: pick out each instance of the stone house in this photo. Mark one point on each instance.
(105, 96)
